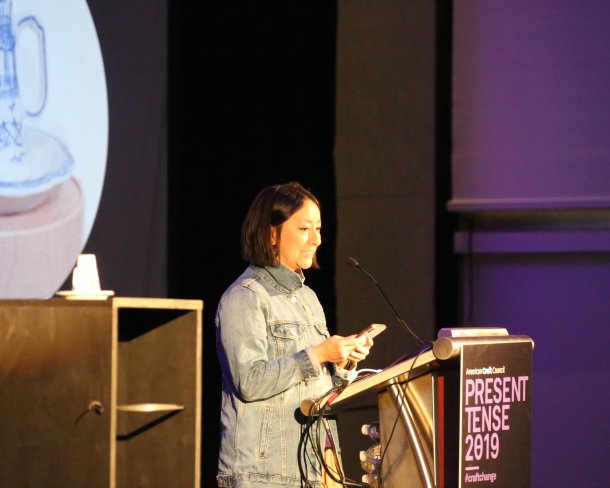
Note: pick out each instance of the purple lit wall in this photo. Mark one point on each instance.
(531, 103)
(531, 186)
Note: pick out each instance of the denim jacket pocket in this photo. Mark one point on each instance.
(287, 330)
(287, 338)
(265, 430)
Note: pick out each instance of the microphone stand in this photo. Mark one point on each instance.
(355, 264)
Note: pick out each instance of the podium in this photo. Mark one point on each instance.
(456, 414)
(100, 393)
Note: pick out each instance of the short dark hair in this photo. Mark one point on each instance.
(273, 206)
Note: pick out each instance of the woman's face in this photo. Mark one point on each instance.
(300, 237)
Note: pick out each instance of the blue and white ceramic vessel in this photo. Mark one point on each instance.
(32, 161)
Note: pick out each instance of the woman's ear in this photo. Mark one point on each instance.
(273, 236)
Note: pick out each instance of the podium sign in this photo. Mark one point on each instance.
(495, 408)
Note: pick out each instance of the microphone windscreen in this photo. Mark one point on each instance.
(307, 407)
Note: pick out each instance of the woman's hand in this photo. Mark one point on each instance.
(362, 350)
(340, 350)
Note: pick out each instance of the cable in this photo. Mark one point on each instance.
(316, 423)
(468, 314)
(368, 370)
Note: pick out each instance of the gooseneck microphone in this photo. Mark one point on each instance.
(355, 264)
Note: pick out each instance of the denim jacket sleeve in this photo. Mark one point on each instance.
(243, 340)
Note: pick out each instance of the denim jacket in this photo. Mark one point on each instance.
(266, 324)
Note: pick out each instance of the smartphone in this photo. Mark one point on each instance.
(373, 330)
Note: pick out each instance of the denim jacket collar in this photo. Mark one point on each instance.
(281, 278)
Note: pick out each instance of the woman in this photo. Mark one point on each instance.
(273, 344)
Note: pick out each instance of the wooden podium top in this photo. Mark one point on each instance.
(114, 302)
(398, 373)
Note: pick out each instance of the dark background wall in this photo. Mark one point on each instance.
(129, 236)
(252, 97)
(208, 103)
(390, 131)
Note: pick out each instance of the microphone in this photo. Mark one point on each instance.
(311, 406)
(355, 264)
(307, 407)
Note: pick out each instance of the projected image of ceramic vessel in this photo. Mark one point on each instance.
(41, 202)
(33, 162)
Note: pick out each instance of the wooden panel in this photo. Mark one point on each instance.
(64, 367)
(158, 363)
(55, 361)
